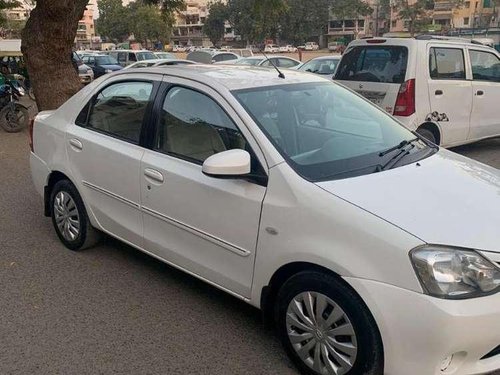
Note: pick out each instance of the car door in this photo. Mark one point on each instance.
(105, 152)
(204, 225)
(450, 93)
(485, 118)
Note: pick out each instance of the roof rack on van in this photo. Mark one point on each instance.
(450, 38)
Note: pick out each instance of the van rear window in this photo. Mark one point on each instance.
(374, 64)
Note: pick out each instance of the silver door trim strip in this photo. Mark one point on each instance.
(112, 195)
(226, 245)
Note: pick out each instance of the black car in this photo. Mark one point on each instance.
(102, 64)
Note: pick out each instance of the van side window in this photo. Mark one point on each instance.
(446, 63)
(132, 57)
(485, 66)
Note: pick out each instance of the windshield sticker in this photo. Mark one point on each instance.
(436, 116)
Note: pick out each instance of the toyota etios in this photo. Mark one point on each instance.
(373, 250)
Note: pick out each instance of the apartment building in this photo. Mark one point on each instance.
(188, 27)
(85, 34)
(20, 13)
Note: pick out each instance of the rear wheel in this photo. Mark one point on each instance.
(70, 219)
(427, 134)
(326, 328)
(14, 118)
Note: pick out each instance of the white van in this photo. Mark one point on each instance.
(446, 90)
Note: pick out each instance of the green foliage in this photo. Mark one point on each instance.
(214, 24)
(345, 9)
(114, 20)
(303, 20)
(147, 24)
(416, 14)
(256, 20)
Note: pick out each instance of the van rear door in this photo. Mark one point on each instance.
(375, 71)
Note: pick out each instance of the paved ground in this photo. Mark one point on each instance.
(111, 309)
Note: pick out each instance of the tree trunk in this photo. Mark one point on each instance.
(47, 45)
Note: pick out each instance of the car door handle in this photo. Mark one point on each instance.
(438, 92)
(154, 175)
(479, 92)
(76, 144)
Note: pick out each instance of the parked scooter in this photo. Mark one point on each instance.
(14, 116)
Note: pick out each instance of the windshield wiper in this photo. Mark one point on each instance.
(397, 158)
(399, 146)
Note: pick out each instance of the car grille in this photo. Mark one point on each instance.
(493, 353)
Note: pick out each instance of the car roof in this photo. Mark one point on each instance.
(414, 41)
(228, 76)
(329, 57)
(130, 50)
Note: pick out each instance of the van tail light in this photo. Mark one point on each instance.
(30, 129)
(405, 102)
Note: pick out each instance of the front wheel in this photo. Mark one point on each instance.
(14, 118)
(326, 328)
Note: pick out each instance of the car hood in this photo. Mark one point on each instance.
(445, 199)
(112, 67)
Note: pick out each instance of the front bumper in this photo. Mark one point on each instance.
(419, 332)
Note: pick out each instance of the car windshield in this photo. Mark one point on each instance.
(145, 56)
(165, 55)
(326, 132)
(385, 64)
(320, 66)
(252, 62)
(105, 60)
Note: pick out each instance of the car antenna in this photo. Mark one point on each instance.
(280, 74)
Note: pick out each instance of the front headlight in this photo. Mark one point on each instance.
(108, 71)
(452, 273)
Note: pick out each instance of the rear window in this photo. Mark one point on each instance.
(374, 64)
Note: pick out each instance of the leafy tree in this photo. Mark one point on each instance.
(114, 20)
(147, 23)
(215, 22)
(47, 44)
(348, 9)
(302, 20)
(416, 14)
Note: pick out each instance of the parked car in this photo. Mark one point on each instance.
(85, 72)
(288, 48)
(127, 57)
(164, 55)
(324, 65)
(271, 48)
(212, 56)
(445, 90)
(370, 249)
(178, 48)
(242, 52)
(311, 46)
(279, 61)
(335, 46)
(102, 64)
(253, 48)
(159, 62)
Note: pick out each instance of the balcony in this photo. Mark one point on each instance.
(443, 8)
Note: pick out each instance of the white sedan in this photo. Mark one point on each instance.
(372, 250)
(158, 62)
(288, 49)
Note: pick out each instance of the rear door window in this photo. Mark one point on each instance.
(485, 66)
(385, 64)
(446, 63)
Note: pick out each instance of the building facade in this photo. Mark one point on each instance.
(188, 27)
(85, 34)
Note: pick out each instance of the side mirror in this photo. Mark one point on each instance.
(228, 164)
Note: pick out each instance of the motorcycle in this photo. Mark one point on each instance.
(14, 116)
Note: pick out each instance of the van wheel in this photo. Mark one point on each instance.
(427, 134)
(326, 328)
(70, 219)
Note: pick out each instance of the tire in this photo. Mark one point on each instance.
(427, 134)
(70, 218)
(359, 343)
(14, 122)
